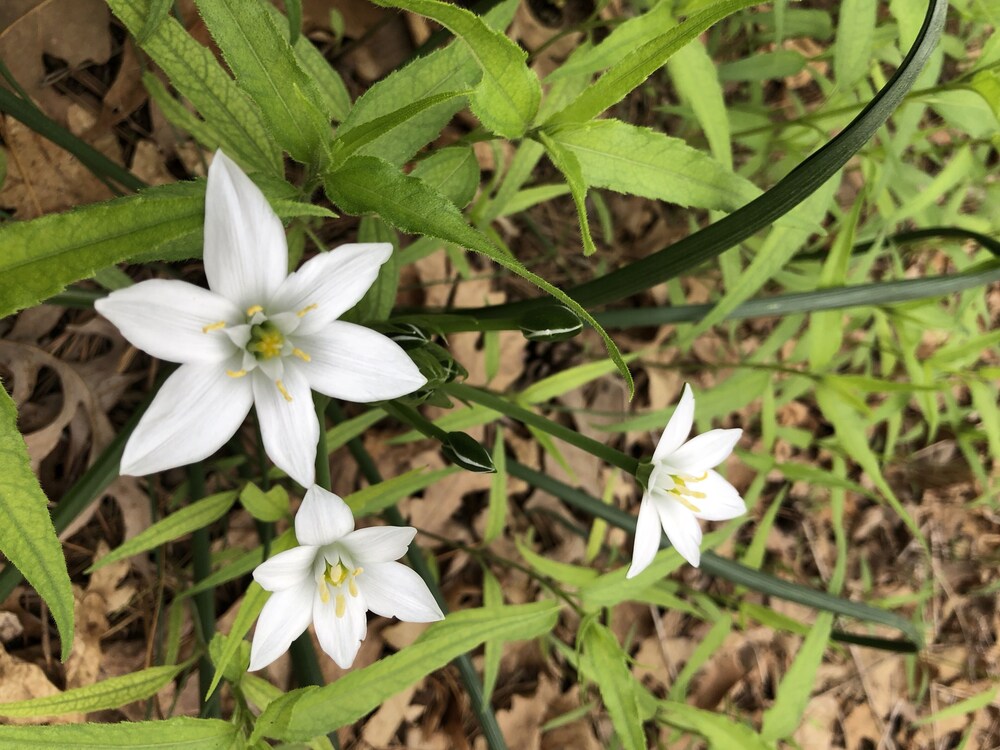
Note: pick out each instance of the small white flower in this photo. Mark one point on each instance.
(259, 336)
(683, 488)
(333, 579)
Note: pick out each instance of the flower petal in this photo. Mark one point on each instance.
(682, 530)
(678, 427)
(647, 537)
(168, 320)
(393, 590)
(333, 281)
(285, 616)
(722, 500)
(287, 569)
(379, 544)
(340, 637)
(704, 451)
(246, 254)
(197, 409)
(289, 428)
(323, 518)
(355, 363)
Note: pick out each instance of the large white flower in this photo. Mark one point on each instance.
(259, 336)
(683, 488)
(333, 579)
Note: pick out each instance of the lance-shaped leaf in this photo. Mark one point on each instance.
(507, 96)
(265, 68)
(365, 184)
(566, 162)
(197, 75)
(27, 536)
(178, 733)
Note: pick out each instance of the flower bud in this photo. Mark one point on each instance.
(465, 452)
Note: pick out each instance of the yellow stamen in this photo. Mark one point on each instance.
(324, 593)
(251, 311)
(284, 391)
(352, 587)
(308, 308)
(213, 326)
(685, 502)
(341, 605)
(337, 575)
(301, 355)
(358, 571)
(236, 373)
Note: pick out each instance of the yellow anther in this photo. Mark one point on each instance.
(352, 587)
(324, 593)
(284, 391)
(341, 605)
(236, 373)
(685, 502)
(213, 326)
(358, 571)
(301, 355)
(308, 308)
(253, 310)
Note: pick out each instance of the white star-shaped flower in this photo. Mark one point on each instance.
(683, 488)
(259, 336)
(333, 579)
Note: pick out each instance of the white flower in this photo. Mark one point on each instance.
(333, 579)
(259, 336)
(683, 488)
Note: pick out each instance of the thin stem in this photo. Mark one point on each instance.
(528, 417)
(473, 686)
(204, 601)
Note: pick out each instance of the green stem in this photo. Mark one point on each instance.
(525, 416)
(473, 686)
(415, 419)
(204, 601)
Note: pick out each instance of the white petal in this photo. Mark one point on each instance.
(340, 637)
(323, 518)
(246, 254)
(287, 569)
(332, 281)
(379, 544)
(679, 426)
(702, 452)
(647, 537)
(289, 429)
(722, 501)
(682, 530)
(167, 319)
(285, 616)
(197, 409)
(355, 363)
(393, 590)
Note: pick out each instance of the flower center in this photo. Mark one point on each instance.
(266, 340)
(334, 577)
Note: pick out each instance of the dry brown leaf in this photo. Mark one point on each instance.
(21, 680)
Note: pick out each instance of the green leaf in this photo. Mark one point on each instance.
(507, 96)
(708, 646)
(696, 79)
(571, 575)
(178, 733)
(27, 536)
(967, 706)
(639, 161)
(719, 730)
(40, 257)
(852, 50)
(294, 9)
(796, 687)
(496, 514)
(266, 69)
(307, 713)
(567, 163)
(633, 69)
(267, 506)
(111, 693)
(781, 63)
(453, 171)
(333, 95)
(158, 10)
(493, 650)
(195, 516)
(378, 301)
(378, 497)
(197, 75)
(606, 664)
(365, 184)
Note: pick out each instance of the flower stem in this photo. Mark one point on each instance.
(204, 601)
(529, 418)
(473, 686)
